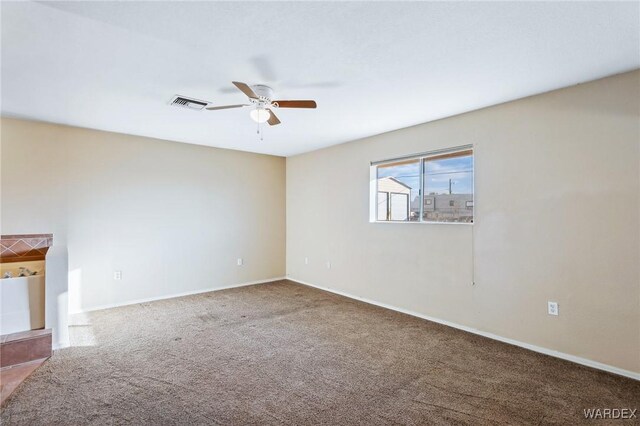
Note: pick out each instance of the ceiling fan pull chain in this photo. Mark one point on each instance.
(258, 131)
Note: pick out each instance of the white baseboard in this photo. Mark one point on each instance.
(171, 296)
(550, 352)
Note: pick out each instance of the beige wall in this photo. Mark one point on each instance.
(172, 217)
(557, 218)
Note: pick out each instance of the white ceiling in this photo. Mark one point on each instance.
(372, 67)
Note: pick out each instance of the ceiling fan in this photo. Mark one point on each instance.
(261, 98)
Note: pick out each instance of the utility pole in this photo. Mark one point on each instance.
(449, 186)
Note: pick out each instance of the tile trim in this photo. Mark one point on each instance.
(30, 247)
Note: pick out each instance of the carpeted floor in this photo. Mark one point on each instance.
(282, 353)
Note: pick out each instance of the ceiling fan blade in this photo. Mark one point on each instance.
(296, 104)
(273, 120)
(245, 89)
(214, 108)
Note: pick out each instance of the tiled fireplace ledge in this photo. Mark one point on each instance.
(24, 247)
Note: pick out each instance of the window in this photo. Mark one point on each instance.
(432, 187)
(397, 186)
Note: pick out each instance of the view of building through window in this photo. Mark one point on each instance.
(398, 186)
(448, 187)
(447, 183)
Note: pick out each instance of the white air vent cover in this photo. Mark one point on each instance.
(190, 103)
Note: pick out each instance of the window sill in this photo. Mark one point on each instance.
(421, 223)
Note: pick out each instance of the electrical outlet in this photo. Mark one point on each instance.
(306, 260)
(240, 261)
(328, 265)
(117, 275)
(552, 308)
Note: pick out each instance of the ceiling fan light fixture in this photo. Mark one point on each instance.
(260, 115)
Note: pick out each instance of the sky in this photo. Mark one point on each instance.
(437, 175)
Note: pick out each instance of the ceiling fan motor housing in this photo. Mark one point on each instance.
(265, 94)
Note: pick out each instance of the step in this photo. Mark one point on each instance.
(26, 346)
(11, 377)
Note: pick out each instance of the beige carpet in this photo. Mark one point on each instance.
(283, 353)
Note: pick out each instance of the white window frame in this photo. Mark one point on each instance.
(373, 185)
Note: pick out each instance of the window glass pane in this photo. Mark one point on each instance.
(398, 191)
(448, 188)
(399, 206)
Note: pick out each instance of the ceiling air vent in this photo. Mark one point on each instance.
(190, 103)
